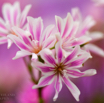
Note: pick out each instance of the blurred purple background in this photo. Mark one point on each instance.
(14, 77)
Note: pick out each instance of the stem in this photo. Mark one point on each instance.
(40, 95)
(30, 69)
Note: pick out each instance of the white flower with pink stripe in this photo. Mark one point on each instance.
(12, 17)
(85, 26)
(58, 69)
(32, 41)
(67, 30)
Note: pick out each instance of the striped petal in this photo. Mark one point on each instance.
(44, 68)
(72, 55)
(38, 28)
(15, 13)
(68, 25)
(20, 44)
(49, 42)
(59, 24)
(46, 55)
(47, 32)
(44, 81)
(58, 86)
(6, 9)
(24, 14)
(72, 88)
(3, 40)
(76, 14)
(22, 34)
(78, 61)
(59, 53)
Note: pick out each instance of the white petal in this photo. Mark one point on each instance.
(95, 49)
(10, 42)
(90, 72)
(20, 54)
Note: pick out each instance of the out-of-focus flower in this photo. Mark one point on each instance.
(67, 31)
(57, 68)
(85, 26)
(98, 2)
(34, 40)
(28, 95)
(12, 17)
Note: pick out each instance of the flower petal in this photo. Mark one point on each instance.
(19, 42)
(22, 34)
(58, 86)
(16, 13)
(86, 25)
(20, 54)
(10, 42)
(72, 88)
(38, 28)
(95, 49)
(96, 36)
(59, 24)
(44, 68)
(90, 72)
(49, 42)
(59, 53)
(80, 40)
(24, 14)
(34, 57)
(2, 24)
(76, 14)
(44, 81)
(3, 40)
(72, 55)
(68, 25)
(46, 55)
(7, 12)
(47, 32)
(78, 61)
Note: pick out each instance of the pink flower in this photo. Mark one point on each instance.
(98, 2)
(59, 69)
(84, 28)
(67, 31)
(31, 42)
(12, 17)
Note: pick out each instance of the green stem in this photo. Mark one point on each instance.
(30, 69)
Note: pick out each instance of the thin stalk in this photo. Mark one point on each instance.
(30, 69)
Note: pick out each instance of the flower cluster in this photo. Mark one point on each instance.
(57, 51)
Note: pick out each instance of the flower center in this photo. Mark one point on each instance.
(59, 68)
(36, 50)
(13, 33)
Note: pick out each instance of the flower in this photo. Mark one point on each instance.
(67, 31)
(12, 17)
(57, 68)
(32, 41)
(98, 2)
(85, 26)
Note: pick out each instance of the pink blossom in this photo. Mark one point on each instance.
(12, 17)
(59, 69)
(31, 42)
(98, 2)
(67, 30)
(85, 26)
